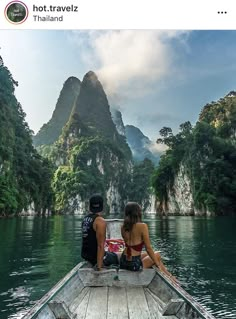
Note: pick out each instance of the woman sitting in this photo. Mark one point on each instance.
(136, 235)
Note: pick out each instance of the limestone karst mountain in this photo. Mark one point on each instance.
(90, 154)
(24, 175)
(140, 145)
(118, 121)
(50, 131)
(89, 149)
(93, 108)
(197, 175)
(221, 115)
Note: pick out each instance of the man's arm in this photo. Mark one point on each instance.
(100, 228)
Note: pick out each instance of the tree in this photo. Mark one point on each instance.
(21, 168)
(140, 186)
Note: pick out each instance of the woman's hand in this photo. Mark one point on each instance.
(167, 273)
(174, 279)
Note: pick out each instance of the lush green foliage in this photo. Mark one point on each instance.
(87, 156)
(90, 165)
(208, 153)
(140, 185)
(24, 175)
(86, 161)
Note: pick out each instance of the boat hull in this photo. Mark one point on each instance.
(116, 294)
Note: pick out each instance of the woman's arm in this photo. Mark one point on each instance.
(156, 257)
(163, 268)
(147, 243)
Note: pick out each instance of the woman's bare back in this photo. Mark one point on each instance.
(135, 237)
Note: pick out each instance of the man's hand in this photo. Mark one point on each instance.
(96, 268)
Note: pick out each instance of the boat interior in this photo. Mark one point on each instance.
(112, 294)
(116, 294)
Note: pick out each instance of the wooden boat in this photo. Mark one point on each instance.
(116, 294)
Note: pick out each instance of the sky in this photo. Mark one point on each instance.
(155, 78)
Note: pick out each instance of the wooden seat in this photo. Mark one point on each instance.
(114, 277)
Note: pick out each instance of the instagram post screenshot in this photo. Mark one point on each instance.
(117, 159)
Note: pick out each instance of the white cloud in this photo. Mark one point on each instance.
(157, 148)
(128, 61)
(130, 64)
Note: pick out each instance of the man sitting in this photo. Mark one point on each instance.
(94, 236)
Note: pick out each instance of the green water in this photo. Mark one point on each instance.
(35, 252)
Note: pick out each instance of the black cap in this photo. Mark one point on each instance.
(96, 203)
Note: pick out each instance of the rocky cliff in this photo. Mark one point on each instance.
(90, 151)
(180, 198)
(90, 154)
(118, 121)
(197, 175)
(51, 131)
(24, 175)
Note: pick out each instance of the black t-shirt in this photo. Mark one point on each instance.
(89, 239)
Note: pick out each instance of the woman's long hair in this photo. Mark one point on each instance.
(132, 215)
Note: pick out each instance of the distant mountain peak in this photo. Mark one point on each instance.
(93, 108)
(137, 131)
(118, 121)
(91, 79)
(91, 74)
(50, 131)
(71, 80)
(140, 144)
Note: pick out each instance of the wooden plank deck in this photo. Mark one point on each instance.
(118, 303)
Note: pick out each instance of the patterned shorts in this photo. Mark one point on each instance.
(134, 265)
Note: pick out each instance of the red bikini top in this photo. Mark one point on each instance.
(137, 247)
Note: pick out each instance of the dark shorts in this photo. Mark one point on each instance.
(110, 259)
(134, 265)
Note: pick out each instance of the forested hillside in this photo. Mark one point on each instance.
(89, 156)
(197, 174)
(24, 174)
